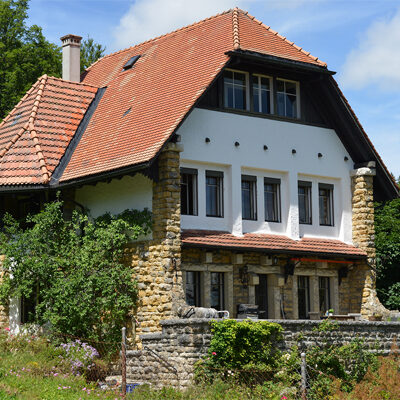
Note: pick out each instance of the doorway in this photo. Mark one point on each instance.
(262, 296)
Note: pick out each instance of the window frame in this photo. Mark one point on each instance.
(271, 94)
(220, 198)
(193, 172)
(253, 196)
(330, 188)
(246, 89)
(298, 109)
(277, 183)
(308, 185)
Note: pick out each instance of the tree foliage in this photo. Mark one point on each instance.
(25, 54)
(76, 268)
(387, 239)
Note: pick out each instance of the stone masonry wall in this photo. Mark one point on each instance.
(4, 321)
(364, 238)
(156, 263)
(168, 358)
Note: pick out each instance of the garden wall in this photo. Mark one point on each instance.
(168, 358)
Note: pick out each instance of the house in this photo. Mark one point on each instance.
(259, 175)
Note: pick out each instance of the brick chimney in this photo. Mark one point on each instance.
(71, 62)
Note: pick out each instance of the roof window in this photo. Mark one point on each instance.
(129, 64)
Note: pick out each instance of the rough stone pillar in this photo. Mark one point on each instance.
(364, 276)
(156, 264)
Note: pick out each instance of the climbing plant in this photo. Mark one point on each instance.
(74, 269)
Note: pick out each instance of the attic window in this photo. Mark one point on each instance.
(129, 64)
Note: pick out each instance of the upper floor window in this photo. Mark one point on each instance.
(235, 89)
(217, 290)
(262, 94)
(193, 288)
(188, 191)
(304, 190)
(325, 204)
(249, 196)
(214, 193)
(287, 98)
(272, 201)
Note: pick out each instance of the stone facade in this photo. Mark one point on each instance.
(364, 238)
(156, 263)
(168, 358)
(282, 289)
(4, 320)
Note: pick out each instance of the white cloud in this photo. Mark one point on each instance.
(376, 61)
(146, 19)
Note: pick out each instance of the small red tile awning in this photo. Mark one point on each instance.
(272, 243)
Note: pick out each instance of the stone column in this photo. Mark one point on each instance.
(363, 277)
(156, 264)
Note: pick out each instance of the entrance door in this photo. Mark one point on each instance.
(303, 294)
(262, 296)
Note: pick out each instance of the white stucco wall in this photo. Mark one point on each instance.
(118, 195)
(250, 158)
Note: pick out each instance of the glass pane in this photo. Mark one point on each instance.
(265, 102)
(291, 106)
(240, 97)
(290, 88)
(256, 100)
(228, 95)
(271, 208)
(239, 78)
(228, 77)
(265, 83)
(280, 102)
(280, 86)
(217, 290)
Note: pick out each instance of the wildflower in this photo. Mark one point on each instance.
(283, 398)
(7, 329)
(214, 353)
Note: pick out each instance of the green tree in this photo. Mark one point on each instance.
(25, 54)
(90, 52)
(74, 268)
(387, 239)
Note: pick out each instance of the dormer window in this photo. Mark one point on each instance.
(235, 89)
(287, 98)
(262, 94)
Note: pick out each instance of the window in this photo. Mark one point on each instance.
(188, 191)
(193, 291)
(272, 200)
(286, 98)
(324, 294)
(217, 290)
(235, 90)
(304, 189)
(214, 191)
(262, 94)
(325, 204)
(261, 292)
(249, 196)
(303, 295)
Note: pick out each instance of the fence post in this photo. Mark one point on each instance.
(123, 363)
(303, 377)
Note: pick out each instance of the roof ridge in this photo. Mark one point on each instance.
(160, 37)
(73, 82)
(268, 28)
(235, 28)
(32, 130)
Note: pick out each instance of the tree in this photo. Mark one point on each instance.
(90, 52)
(387, 240)
(25, 54)
(73, 269)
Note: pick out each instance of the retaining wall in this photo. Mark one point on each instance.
(168, 358)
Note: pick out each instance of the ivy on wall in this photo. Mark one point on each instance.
(73, 268)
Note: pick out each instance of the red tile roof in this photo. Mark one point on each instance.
(275, 243)
(34, 136)
(172, 73)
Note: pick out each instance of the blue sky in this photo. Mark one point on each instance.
(359, 39)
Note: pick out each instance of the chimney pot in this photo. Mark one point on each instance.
(71, 59)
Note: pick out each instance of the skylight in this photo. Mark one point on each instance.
(129, 64)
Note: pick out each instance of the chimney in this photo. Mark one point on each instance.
(71, 59)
